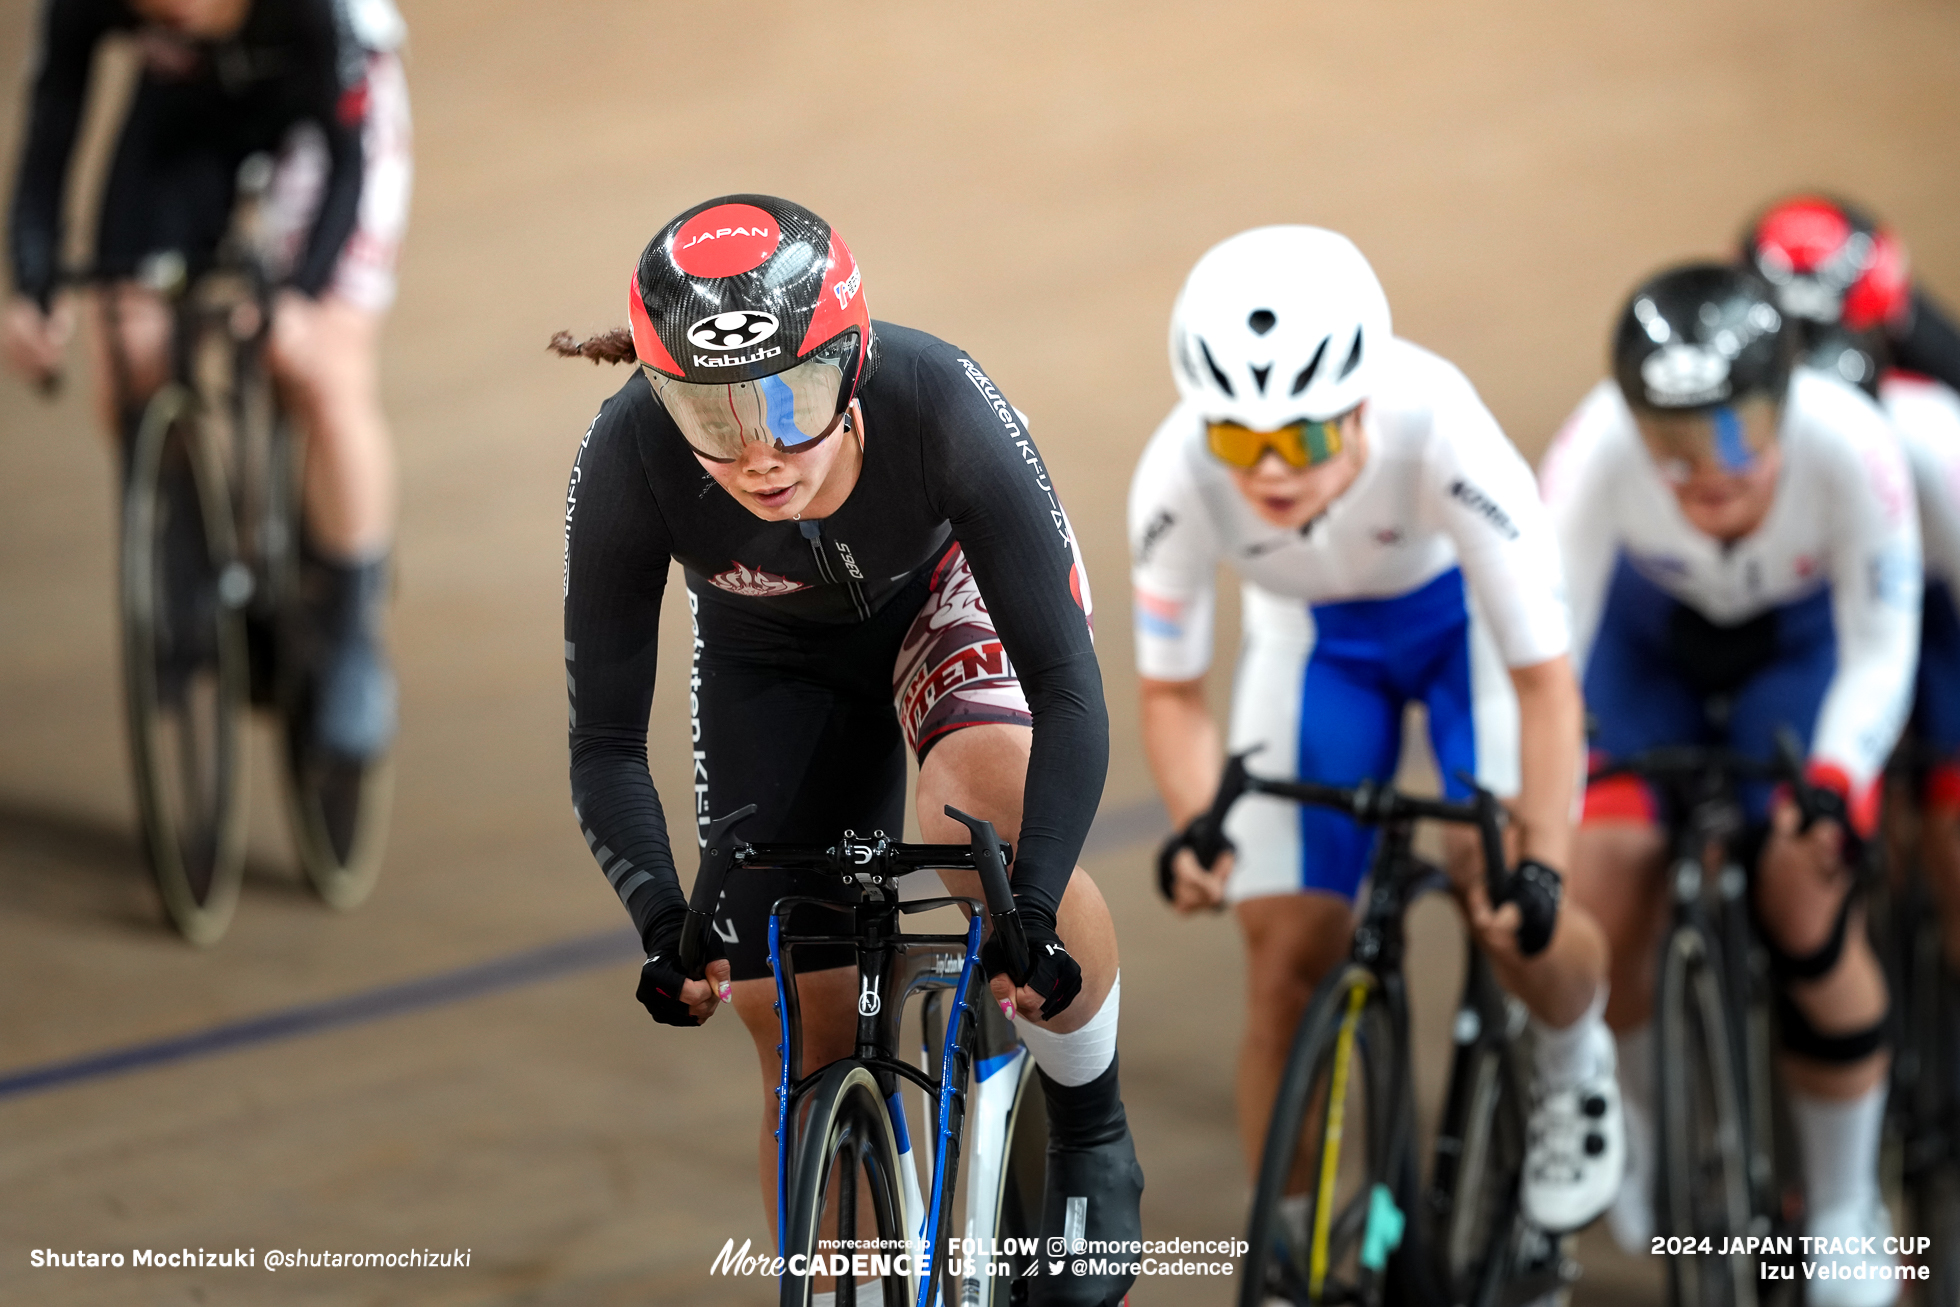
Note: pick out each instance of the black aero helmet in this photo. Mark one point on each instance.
(749, 317)
(1701, 336)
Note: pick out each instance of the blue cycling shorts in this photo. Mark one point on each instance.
(1659, 673)
(1322, 690)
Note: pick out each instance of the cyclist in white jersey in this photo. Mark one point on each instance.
(1393, 552)
(1844, 279)
(1742, 557)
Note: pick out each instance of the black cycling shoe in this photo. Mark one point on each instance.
(1093, 1198)
(351, 704)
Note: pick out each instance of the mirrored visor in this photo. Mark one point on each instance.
(792, 408)
(1728, 439)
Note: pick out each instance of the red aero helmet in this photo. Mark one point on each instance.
(743, 287)
(1830, 263)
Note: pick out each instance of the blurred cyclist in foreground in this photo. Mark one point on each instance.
(317, 85)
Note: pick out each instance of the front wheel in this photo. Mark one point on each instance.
(1325, 1214)
(845, 1196)
(183, 591)
(1483, 1245)
(1705, 1145)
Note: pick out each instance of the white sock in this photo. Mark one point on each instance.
(1081, 1055)
(1631, 1218)
(1293, 1212)
(1839, 1139)
(1636, 1049)
(1565, 1057)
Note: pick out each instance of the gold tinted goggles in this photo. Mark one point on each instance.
(1300, 444)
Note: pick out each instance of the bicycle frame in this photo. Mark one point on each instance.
(1708, 889)
(893, 966)
(1509, 1257)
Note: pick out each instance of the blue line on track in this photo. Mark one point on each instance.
(529, 967)
(1114, 829)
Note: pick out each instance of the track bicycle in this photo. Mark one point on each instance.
(214, 618)
(1923, 1151)
(1727, 1171)
(1343, 1125)
(847, 1173)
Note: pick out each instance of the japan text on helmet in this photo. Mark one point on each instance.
(1278, 324)
(1701, 336)
(1830, 263)
(749, 319)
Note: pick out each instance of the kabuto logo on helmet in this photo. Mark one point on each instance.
(1684, 376)
(737, 330)
(743, 287)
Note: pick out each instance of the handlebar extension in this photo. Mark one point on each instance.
(716, 860)
(992, 866)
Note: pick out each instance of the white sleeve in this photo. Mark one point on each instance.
(1173, 563)
(1578, 499)
(1927, 416)
(1479, 490)
(1875, 588)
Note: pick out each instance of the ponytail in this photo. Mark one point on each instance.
(615, 346)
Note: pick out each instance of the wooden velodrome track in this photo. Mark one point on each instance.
(1031, 181)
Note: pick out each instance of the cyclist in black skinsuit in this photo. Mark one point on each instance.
(316, 84)
(875, 559)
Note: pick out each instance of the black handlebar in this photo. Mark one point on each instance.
(716, 861)
(987, 854)
(990, 862)
(1688, 763)
(1376, 805)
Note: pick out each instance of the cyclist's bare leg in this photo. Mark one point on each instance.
(828, 1003)
(1616, 877)
(1939, 858)
(1292, 942)
(325, 353)
(983, 770)
(1558, 984)
(1800, 887)
(141, 341)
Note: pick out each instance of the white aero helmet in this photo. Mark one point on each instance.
(1278, 324)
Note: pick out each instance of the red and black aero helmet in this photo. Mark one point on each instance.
(1830, 263)
(748, 315)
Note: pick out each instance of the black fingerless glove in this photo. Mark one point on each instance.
(1822, 803)
(661, 976)
(1166, 864)
(1536, 889)
(1201, 840)
(1052, 973)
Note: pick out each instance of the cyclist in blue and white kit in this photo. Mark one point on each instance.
(1393, 552)
(1742, 556)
